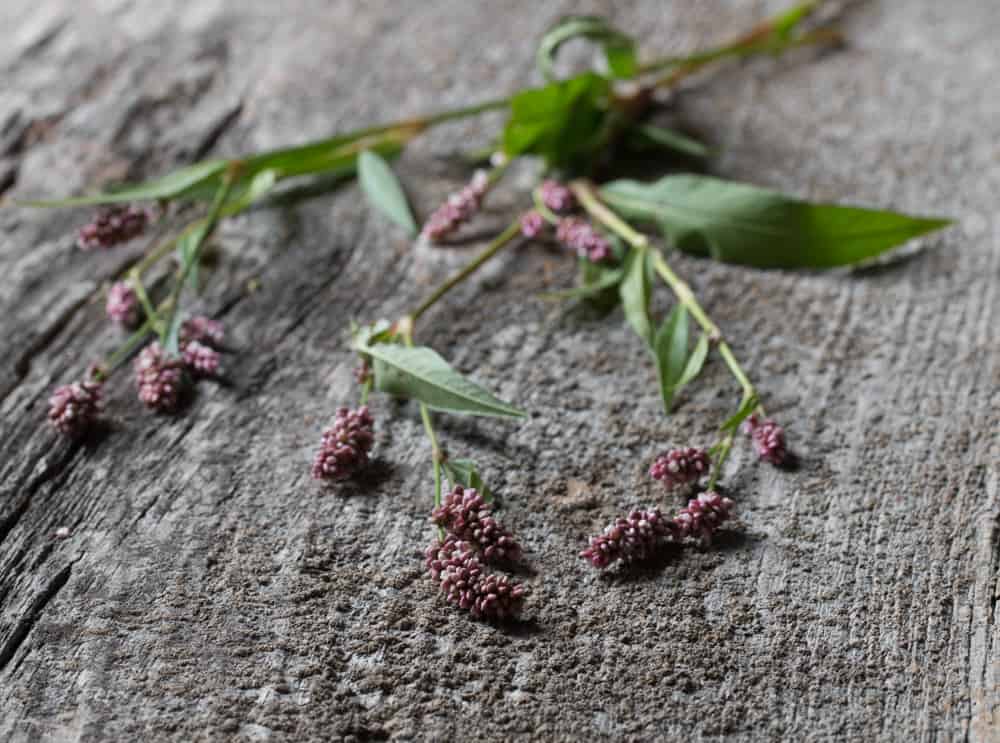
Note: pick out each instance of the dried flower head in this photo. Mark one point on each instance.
(74, 408)
(458, 208)
(456, 567)
(468, 517)
(532, 224)
(580, 235)
(200, 360)
(768, 439)
(702, 516)
(345, 445)
(122, 306)
(679, 467)
(113, 225)
(202, 329)
(162, 379)
(556, 196)
(634, 537)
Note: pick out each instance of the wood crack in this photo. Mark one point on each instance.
(30, 618)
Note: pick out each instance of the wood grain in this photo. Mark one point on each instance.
(210, 590)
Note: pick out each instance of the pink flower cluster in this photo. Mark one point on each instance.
(458, 209)
(466, 515)
(113, 225)
(768, 439)
(74, 408)
(474, 536)
(638, 535)
(345, 445)
(162, 379)
(579, 235)
(556, 196)
(454, 564)
(679, 467)
(122, 306)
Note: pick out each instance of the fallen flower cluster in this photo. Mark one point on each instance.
(473, 536)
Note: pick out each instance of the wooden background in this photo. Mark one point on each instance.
(211, 590)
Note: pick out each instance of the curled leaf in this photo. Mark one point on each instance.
(619, 47)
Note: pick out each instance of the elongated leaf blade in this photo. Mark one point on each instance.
(672, 140)
(384, 190)
(635, 293)
(465, 473)
(746, 408)
(695, 362)
(739, 223)
(169, 186)
(421, 374)
(671, 350)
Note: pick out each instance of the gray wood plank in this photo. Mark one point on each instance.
(210, 590)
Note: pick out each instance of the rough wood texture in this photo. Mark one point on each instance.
(210, 590)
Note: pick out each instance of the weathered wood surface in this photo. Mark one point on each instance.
(210, 590)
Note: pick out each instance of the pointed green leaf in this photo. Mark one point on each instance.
(169, 186)
(384, 190)
(421, 374)
(465, 473)
(635, 293)
(671, 351)
(608, 278)
(738, 223)
(747, 407)
(695, 362)
(672, 140)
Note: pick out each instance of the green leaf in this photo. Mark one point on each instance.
(464, 472)
(169, 186)
(739, 223)
(607, 278)
(671, 350)
(384, 190)
(249, 193)
(619, 48)
(635, 292)
(695, 362)
(563, 122)
(747, 407)
(421, 374)
(672, 140)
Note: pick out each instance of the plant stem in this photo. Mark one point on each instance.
(167, 333)
(499, 242)
(437, 456)
(771, 35)
(588, 199)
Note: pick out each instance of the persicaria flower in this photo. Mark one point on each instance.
(468, 517)
(702, 516)
(633, 537)
(345, 445)
(464, 583)
(200, 359)
(202, 329)
(457, 209)
(74, 408)
(679, 467)
(113, 225)
(556, 196)
(768, 439)
(162, 379)
(532, 224)
(122, 306)
(579, 235)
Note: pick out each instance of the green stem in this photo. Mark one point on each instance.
(192, 259)
(499, 242)
(771, 35)
(152, 315)
(597, 209)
